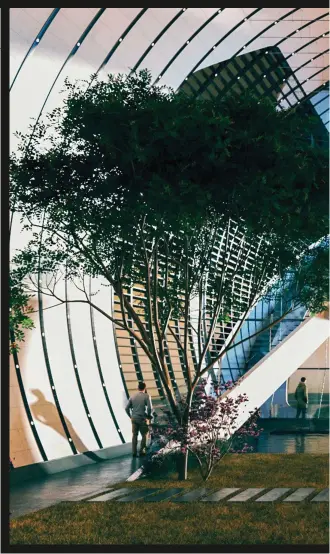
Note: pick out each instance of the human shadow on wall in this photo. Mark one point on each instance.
(18, 413)
(46, 412)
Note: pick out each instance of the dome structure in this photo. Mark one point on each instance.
(72, 376)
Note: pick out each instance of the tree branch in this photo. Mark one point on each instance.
(186, 315)
(217, 306)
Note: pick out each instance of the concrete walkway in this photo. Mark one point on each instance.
(81, 482)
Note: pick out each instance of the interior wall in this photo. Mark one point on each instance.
(316, 371)
(320, 358)
(91, 412)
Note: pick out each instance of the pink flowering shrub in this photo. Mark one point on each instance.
(207, 437)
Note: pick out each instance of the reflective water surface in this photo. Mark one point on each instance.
(294, 443)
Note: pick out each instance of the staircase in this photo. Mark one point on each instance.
(271, 338)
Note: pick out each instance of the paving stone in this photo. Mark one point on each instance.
(191, 495)
(219, 495)
(163, 495)
(38, 494)
(110, 495)
(323, 496)
(85, 496)
(137, 495)
(299, 495)
(245, 495)
(272, 495)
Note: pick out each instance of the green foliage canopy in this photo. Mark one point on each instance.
(129, 181)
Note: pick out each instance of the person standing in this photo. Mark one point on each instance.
(139, 409)
(301, 396)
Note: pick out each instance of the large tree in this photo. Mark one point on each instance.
(208, 205)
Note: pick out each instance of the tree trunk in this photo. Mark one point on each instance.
(209, 471)
(183, 458)
(182, 466)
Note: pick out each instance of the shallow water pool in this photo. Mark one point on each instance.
(294, 443)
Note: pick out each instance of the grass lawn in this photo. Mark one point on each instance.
(195, 523)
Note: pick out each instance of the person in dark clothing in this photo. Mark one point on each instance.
(301, 396)
(139, 409)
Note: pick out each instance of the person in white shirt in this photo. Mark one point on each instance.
(139, 409)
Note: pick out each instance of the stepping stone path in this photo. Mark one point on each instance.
(245, 495)
(206, 495)
(299, 495)
(137, 495)
(219, 495)
(164, 495)
(110, 495)
(272, 495)
(322, 496)
(88, 495)
(191, 495)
